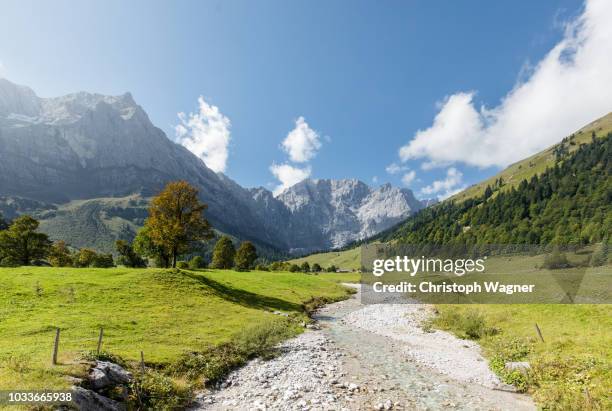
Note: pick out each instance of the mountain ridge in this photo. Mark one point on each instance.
(88, 146)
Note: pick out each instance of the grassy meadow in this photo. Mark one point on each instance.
(164, 313)
(346, 260)
(571, 368)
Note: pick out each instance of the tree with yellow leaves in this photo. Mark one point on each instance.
(176, 219)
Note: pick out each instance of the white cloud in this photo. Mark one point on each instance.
(560, 94)
(447, 187)
(408, 178)
(395, 168)
(302, 143)
(206, 134)
(375, 179)
(288, 175)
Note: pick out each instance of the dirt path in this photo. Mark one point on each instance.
(367, 358)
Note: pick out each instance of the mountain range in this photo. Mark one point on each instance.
(86, 165)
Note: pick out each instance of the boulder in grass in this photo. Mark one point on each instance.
(107, 374)
(88, 400)
(522, 367)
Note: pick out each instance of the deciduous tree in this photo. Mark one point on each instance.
(176, 219)
(59, 255)
(245, 256)
(224, 253)
(127, 255)
(21, 243)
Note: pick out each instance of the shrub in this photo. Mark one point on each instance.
(280, 266)
(183, 265)
(316, 268)
(262, 267)
(59, 254)
(84, 257)
(470, 324)
(211, 364)
(556, 260)
(103, 261)
(260, 339)
(155, 391)
(294, 268)
(511, 350)
(305, 267)
(197, 262)
(332, 269)
(127, 255)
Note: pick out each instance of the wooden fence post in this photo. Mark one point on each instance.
(142, 364)
(55, 346)
(539, 332)
(100, 341)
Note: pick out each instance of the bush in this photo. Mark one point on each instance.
(212, 364)
(280, 266)
(183, 265)
(197, 262)
(556, 260)
(155, 391)
(103, 261)
(127, 255)
(294, 268)
(260, 339)
(316, 268)
(84, 257)
(305, 267)
(332, 269)
(470, 324)
(59, 255)
(262, 267)
(511, 350)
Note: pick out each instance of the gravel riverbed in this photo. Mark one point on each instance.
(367, 357)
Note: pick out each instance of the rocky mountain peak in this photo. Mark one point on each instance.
(85, 146)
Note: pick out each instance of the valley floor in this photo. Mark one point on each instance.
(364, 358)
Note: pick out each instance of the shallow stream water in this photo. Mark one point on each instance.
(379, 362)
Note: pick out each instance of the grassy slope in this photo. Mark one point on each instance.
(536, 164)
(160, 312)
(95, 223)
(512, 176)
(348, 259)
(576, 352)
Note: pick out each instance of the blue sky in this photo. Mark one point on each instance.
(365, 76)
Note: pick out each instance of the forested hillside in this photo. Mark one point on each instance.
(568, 203)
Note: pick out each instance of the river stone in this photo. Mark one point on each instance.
(107, 374)
(522, 367)
(88, 400)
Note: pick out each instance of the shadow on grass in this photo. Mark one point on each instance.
(243, 297)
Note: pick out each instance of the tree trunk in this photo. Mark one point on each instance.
(174, 257)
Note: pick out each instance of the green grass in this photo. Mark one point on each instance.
(347, 259)
(575, 357)
(164, 313)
